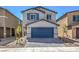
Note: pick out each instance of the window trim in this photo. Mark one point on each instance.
(30, 14)
(49, 18)
(76, 17)
(33, 16)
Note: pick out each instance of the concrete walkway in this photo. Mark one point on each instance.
(5, 41)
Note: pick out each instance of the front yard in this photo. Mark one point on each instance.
(48, 42)
(5, 41)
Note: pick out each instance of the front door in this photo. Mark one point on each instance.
(77, 33)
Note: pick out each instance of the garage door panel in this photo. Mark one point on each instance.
(42, 32)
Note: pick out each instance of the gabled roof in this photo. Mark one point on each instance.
(36, 8)
(66, 15)
(43, 20)
(10, 13)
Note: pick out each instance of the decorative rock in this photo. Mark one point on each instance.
(76, 43)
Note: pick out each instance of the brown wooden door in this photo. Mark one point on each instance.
(77, 32)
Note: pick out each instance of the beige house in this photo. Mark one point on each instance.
(8, 23)
(69, 25)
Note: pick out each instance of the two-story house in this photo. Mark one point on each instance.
(8, 23)
(39, 22)
(69, 25)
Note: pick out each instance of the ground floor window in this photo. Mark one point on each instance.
(1, 32)
(7, 32)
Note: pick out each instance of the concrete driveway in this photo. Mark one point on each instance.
(44, 42)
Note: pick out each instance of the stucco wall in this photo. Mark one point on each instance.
(70, 17)
(53, 15)
(69, 33)
(41, 16)
(11, 21)
(41, 24)
(7, 18)
(62, 23)
(8, 21)
(68, 20)
(2, 17)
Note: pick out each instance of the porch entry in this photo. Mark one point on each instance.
(77, 33)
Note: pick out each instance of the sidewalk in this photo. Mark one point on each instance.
(41, 49)
(5, 41)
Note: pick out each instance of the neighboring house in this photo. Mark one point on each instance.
(39, 22)
(8, 23)
(69, 25)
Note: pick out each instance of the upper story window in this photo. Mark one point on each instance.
(76, 18)
(48, 17)
(32, 16)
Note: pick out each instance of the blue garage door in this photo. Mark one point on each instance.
(42, 32)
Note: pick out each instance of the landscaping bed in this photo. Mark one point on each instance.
(67, 40)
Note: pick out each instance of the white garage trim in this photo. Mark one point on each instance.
(42, 24)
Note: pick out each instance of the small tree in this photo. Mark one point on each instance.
(18, 33)
(65, 30)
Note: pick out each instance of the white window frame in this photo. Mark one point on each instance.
(35, 16)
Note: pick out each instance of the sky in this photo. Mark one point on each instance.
(16, 10)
